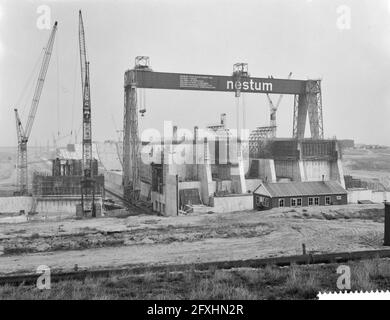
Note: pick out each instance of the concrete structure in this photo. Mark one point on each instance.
(298, 194)
(62, 191)
(307, 103)
(47, 205)
(295, 160)
(363, 194)
(209, 171)
(191, 172)
(199, 172)
(15, 204)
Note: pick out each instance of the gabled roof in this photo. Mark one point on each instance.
(295, 189)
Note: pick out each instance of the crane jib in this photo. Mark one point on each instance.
(24, 134)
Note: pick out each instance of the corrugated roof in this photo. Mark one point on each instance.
(293, 189)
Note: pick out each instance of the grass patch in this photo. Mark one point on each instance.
(270, 282)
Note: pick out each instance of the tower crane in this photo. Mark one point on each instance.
(88, 182)
(23, 133)
(274, 109)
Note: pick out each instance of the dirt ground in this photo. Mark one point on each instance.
(152, 240)
(138, 240)
(372, 166)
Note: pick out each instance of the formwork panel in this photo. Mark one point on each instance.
(63, 185)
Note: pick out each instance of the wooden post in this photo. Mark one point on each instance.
(387, 224)
(303, 249)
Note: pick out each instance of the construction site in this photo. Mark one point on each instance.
(213, 194)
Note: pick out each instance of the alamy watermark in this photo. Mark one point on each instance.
(344, 280)
(44, 18)
(183, 146)
(44, 280)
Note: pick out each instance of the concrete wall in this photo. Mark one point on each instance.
(359, 194)
(208, 185)
(145, 191)
(62, 205)
(226, 185)
(314, 169)
(288, 169)
(354, 195)
(337, 172)
(267, 170)
(166, 202)
(237, 174)
(310, 170)
(232, 203)
(15, 204)
(380, 197)
(252, 184)
(189, 185)
(113, 181)
(45, 205)
(171, 205)
(158, 200)
(66, 206)
(114, 177)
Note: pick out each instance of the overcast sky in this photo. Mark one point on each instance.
(310, 38)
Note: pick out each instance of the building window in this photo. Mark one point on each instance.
(281, 202)
(299, 202)
(311, 201)
(293, 202)
(338, 198)
(266, 202)
(258, 201)
(327, 201)
(317, 201)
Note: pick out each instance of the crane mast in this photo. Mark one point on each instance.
(87, 130)
(87, 183)
(24, 134)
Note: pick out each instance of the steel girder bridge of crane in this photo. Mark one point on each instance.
(307, 101)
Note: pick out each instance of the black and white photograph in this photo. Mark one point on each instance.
(210, 151)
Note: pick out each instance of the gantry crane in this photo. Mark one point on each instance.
(23, 134)
(88, 182)
(273, 109)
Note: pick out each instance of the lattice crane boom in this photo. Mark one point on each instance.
(41, 80)
(274, 107)
(24, 134)
(85, 85)
(19, 126)
(83, 52)
(88, 181)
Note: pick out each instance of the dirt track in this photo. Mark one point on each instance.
(175, 240)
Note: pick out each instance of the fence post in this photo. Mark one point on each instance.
(387, 224)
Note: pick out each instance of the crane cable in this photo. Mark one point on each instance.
(74, 96)
(29, 83)
(141, 96)
(238, 115)
(243, 111)
(58, 87)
